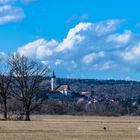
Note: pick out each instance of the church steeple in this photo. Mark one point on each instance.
(53, 82)
(53, 76)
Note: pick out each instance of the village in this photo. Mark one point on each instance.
(94, 102)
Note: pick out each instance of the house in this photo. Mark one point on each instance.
(64, 89)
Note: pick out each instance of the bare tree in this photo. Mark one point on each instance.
(5, 81)
(27, 83)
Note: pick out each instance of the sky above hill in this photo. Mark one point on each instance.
(76, 38)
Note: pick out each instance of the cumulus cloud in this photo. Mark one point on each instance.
(9, 13)
(40, 48)
(120, 38)
(89, 58)
(73, 37)
(132, 54)
(89, 47)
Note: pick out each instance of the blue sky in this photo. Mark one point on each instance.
(76, 38)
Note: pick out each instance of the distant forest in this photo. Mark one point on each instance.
(103, 87)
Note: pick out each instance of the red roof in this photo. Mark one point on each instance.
(63, 87)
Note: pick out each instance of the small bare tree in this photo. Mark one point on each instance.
(5, 88)
(27, 83)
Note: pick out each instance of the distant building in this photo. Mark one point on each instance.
(64, 89)
(53, 82)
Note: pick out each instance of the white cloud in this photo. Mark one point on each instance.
(132, 54)
(88, 47)
(3, 56)
(39, 48)
(89, 58)
(58, 62)
(9, 13)
(106, 66)
(120, 38)
(106, 27)
(73, 37)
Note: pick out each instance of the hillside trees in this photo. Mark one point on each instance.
(27, 82)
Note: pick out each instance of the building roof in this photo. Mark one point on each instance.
(63, 88)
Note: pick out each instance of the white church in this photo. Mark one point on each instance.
(64, 89)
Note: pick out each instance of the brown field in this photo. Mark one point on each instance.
(71, 128)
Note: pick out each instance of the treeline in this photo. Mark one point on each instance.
(21, 85)
(118, 108)
(121, 88)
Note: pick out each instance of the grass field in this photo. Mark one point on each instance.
(71, 128)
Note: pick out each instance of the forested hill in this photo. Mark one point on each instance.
(103, 87)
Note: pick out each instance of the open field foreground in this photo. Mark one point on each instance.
(71, 128)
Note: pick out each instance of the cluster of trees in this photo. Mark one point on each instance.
(22, 79)
(59, 107)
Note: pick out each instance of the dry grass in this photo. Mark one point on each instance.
(71, 128)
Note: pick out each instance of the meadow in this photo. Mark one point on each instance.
(47, 127)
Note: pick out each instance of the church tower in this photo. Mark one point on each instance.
(53, 82)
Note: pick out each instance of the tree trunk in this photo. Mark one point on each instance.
(27, 116)
(5, 109)
(128, 110)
